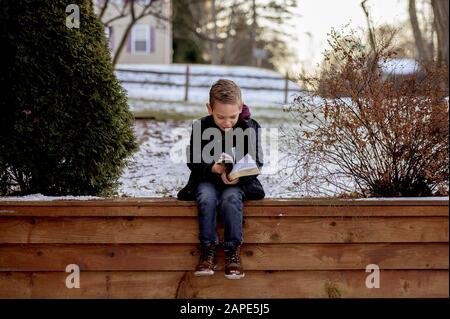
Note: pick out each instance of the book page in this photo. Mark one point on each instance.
(244, 167)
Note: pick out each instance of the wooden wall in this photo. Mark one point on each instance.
(294, 248)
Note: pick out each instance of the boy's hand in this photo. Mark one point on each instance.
(218, 168)
(227, 181)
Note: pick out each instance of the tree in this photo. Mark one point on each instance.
(131, 11)
(188, 47)
(423, 51)
(214, 51)
(65, 126)
(441, 22)
(370, 28)
(232, 30)
(433, 26)
(399, 37)
(258, 24)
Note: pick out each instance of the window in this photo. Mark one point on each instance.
(140, 39)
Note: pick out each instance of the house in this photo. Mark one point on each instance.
(150, 39)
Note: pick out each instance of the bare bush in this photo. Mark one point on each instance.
(364, 133)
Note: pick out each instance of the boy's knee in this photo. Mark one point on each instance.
(206, 195)
(232, 196)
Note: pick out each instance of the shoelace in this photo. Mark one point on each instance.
(233, 256)
(207, 253)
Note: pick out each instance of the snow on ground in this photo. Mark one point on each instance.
(40, 197)
(406, 198)
(200, 95)
(151, 172)
(163, 110)
(155, 170)
(399, 66)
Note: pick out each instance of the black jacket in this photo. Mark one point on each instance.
(202, 171)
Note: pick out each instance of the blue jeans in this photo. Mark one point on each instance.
(227, 200)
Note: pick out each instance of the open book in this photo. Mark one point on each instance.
(246, 166)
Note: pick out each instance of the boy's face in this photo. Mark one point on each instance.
(225, 115)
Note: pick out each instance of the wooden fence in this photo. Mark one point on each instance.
(294, 248)
(188, 75)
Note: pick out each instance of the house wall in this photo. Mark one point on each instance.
(160, 50)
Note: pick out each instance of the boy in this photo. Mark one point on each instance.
(208, 182)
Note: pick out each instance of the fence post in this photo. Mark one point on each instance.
(186, 89)
(286, 87)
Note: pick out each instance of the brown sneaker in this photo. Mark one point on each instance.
(233, 268)
(207, 262)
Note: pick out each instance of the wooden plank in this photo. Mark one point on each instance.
(114, 230)
(304, 201)
(183, 257)
(191, 210)
(256, 284)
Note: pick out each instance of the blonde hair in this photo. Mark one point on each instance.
(225, 91)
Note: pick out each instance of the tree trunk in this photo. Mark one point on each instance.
(214, 52)
(441, 12)
(369, 27)
(253, 33)
(418, 39)
(228, 40)
(122, 43)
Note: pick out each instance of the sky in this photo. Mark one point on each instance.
(319, 16)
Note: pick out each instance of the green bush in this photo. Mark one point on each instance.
(65, 126)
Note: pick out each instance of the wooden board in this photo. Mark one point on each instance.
(293, 248)
(249, 210)
(183, 257)
(256, 284)
(303, 201)
(114, 230)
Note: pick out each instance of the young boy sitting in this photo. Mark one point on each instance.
(221, 131)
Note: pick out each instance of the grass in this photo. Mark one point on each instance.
(159, 115)
(177, 102)
(155, 110)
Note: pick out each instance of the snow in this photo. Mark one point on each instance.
(155, 169)
(443, 198)
(158, 169)
(200, 95)
(399, 66)
(166, 110)
(151, 172)
(40, 197)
